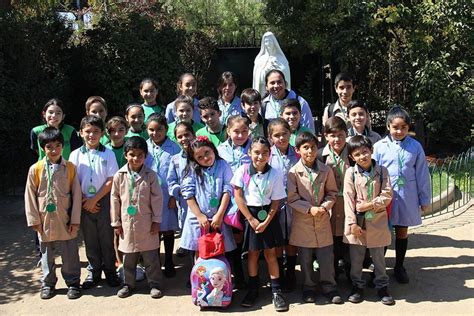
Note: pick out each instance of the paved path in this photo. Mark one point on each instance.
(440, 262)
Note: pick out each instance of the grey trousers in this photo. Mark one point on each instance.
(99, 239)
(325, 258)
(151, 263)
(71, 267)
(357, 260)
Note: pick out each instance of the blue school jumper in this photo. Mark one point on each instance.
(234, 155)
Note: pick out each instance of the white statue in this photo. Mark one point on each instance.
(270, 57)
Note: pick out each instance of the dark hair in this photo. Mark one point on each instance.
(184, 99)
(158, 118)
(56, 102)
(275, 122)
(208, 103)
(250, 96)
(94, 99)
(93, 121)
(135, 142)
(226, 76)
(188, 125)
(260, 140)
(180, 81)
(290, 103)
(335, 124)
(305, 137)
(357, 104)
(198, 142)
(133, 105)
(150, 80)
(398, 112)
(344, 76)
(237, 118)
(358, 141)
(49, 135)
(114, 120)
(273, 71)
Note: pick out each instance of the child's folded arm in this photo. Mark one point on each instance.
(330, 191)
(382, 200)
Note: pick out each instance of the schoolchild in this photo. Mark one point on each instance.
(271, 105)
(251, 103)
(359, 117)
(291, 112)
(184, 113)
(405, 160)
(344, 84)
(235, 149)
(96, 166)
(184, 134)
(229, 101)
(312, 193)
(135, 116)
(258, 190)
(53, 209)
(117, 128)
(282, 157)
(136, 213)
(186, 86)
(206, 188)
(367, 193)
(334, 154)
(96, 105)
(53, 116)
(210, 114)
(149, 91)
(160, 150)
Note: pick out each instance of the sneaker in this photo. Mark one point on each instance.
(112, 279)
(169, 271)
(309, 296)
(250, 298)
(385, 298)
(90, 282)
(357, 295)
(181, 252)
(124, 292)
(279, 302)
(401, 275)
(47, 292)
(334, 297)
(73, 292)
(156, 292)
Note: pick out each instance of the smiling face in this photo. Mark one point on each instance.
(398, 128)
(53, 116)
(117, 134)
(260, 155)
(184, 112)
(292, 116)
(238, 133)
(135, 158)
(91, 135)
(135, 118)
(280, 137)
(344, 90)
(53, 151)
(358, 118)
(362, 156)
(97, 109)
(276, 85)
(210, 117)
(252, 109)
(188, 86)
(204, 156)
(183, 136)
(149, 93)
(156, 132)
(308, 152)
(336, 140)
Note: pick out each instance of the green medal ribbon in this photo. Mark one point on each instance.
(401, 163)
(339, 168)
(369, 215)
(132, 209)
(314, 184)
(262, 214)
(239, 158)
(51, 206)
(213, 202)
(91, 189)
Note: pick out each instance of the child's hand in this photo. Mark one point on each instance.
(90, 205)
(317, 211)
(203, 221)
(356, 230)
(254, 223)
(424, 209)
(155, 228)
(364, 206)
(73, 228)
(216, 221)
(38, 228)
(261, 227)
(172, 203)
(118, 231)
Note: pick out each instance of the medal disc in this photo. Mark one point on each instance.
(214, 202)
(91, 189)
(401, 181)
(262, 214)
(131, 210)
(51, 207)
(369, 216)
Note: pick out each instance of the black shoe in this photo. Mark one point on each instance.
(250, 298)
(309, 296)
(169, 271)
(188, 284)
(239, 284)
(334, 297)
(401, 275)
(47, 292)
(73, 292)
(156, 292)
(279, 302)
(124, 292)
(181, 252)
(112, 279)
(90, 282)
(357, 295)
(385, 298)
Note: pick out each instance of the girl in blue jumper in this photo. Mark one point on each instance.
(405, 160)
(229, 102)
(235, 149)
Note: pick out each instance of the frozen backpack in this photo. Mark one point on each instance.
(211, 282)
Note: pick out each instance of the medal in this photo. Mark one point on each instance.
(91, 190)
(262, 215)
(214, 202)
(401, 181)
(132, 210)
(369, 216)
(50, 207)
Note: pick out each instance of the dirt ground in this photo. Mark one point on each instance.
(440, 262)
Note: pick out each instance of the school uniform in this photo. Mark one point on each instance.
(215, 181)
(137, 239)
(311, 234)
(271, 108)
(296, 132)
(375, 234)
(160, 163)
(229, 109)
(283, 163)
(370, 134)
(171, 127)
(94, 167)
(71, 140)
(215, 138)
(410, 180)
(174, 178)
(259, 128)
(143, 134)
(105, 139)
(270, 182)
(67, 197)
(338, 110)
(234, 155)
(118, 152)
(151, 109)
(170, 112)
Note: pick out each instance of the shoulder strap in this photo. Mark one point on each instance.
(70, 168)
(38, 169)
(246, 177)
(331, 109)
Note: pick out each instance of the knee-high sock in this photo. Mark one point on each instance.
(400, 251)
(168, 241)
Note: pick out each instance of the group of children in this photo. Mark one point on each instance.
(138, 179)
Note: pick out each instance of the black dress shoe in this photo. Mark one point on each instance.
(401, 275)
(279, 302)
(334, 297)
(357, 295)
(169, 271)
(181, 252)
(385, 298)
(73, 292)
(47, 292)
(309, 296)
(112, 279)
(250, 298)
(90, 282)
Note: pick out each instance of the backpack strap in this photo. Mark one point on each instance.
(331, 109)
(39, 166)
(70, 168)
(246, 177)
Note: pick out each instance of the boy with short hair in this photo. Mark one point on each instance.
(344, 84)
(251, 102)
(312, 192)
(184, 108)
(291, 112)
(210, 115)
(53, 209)
(96, 166)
